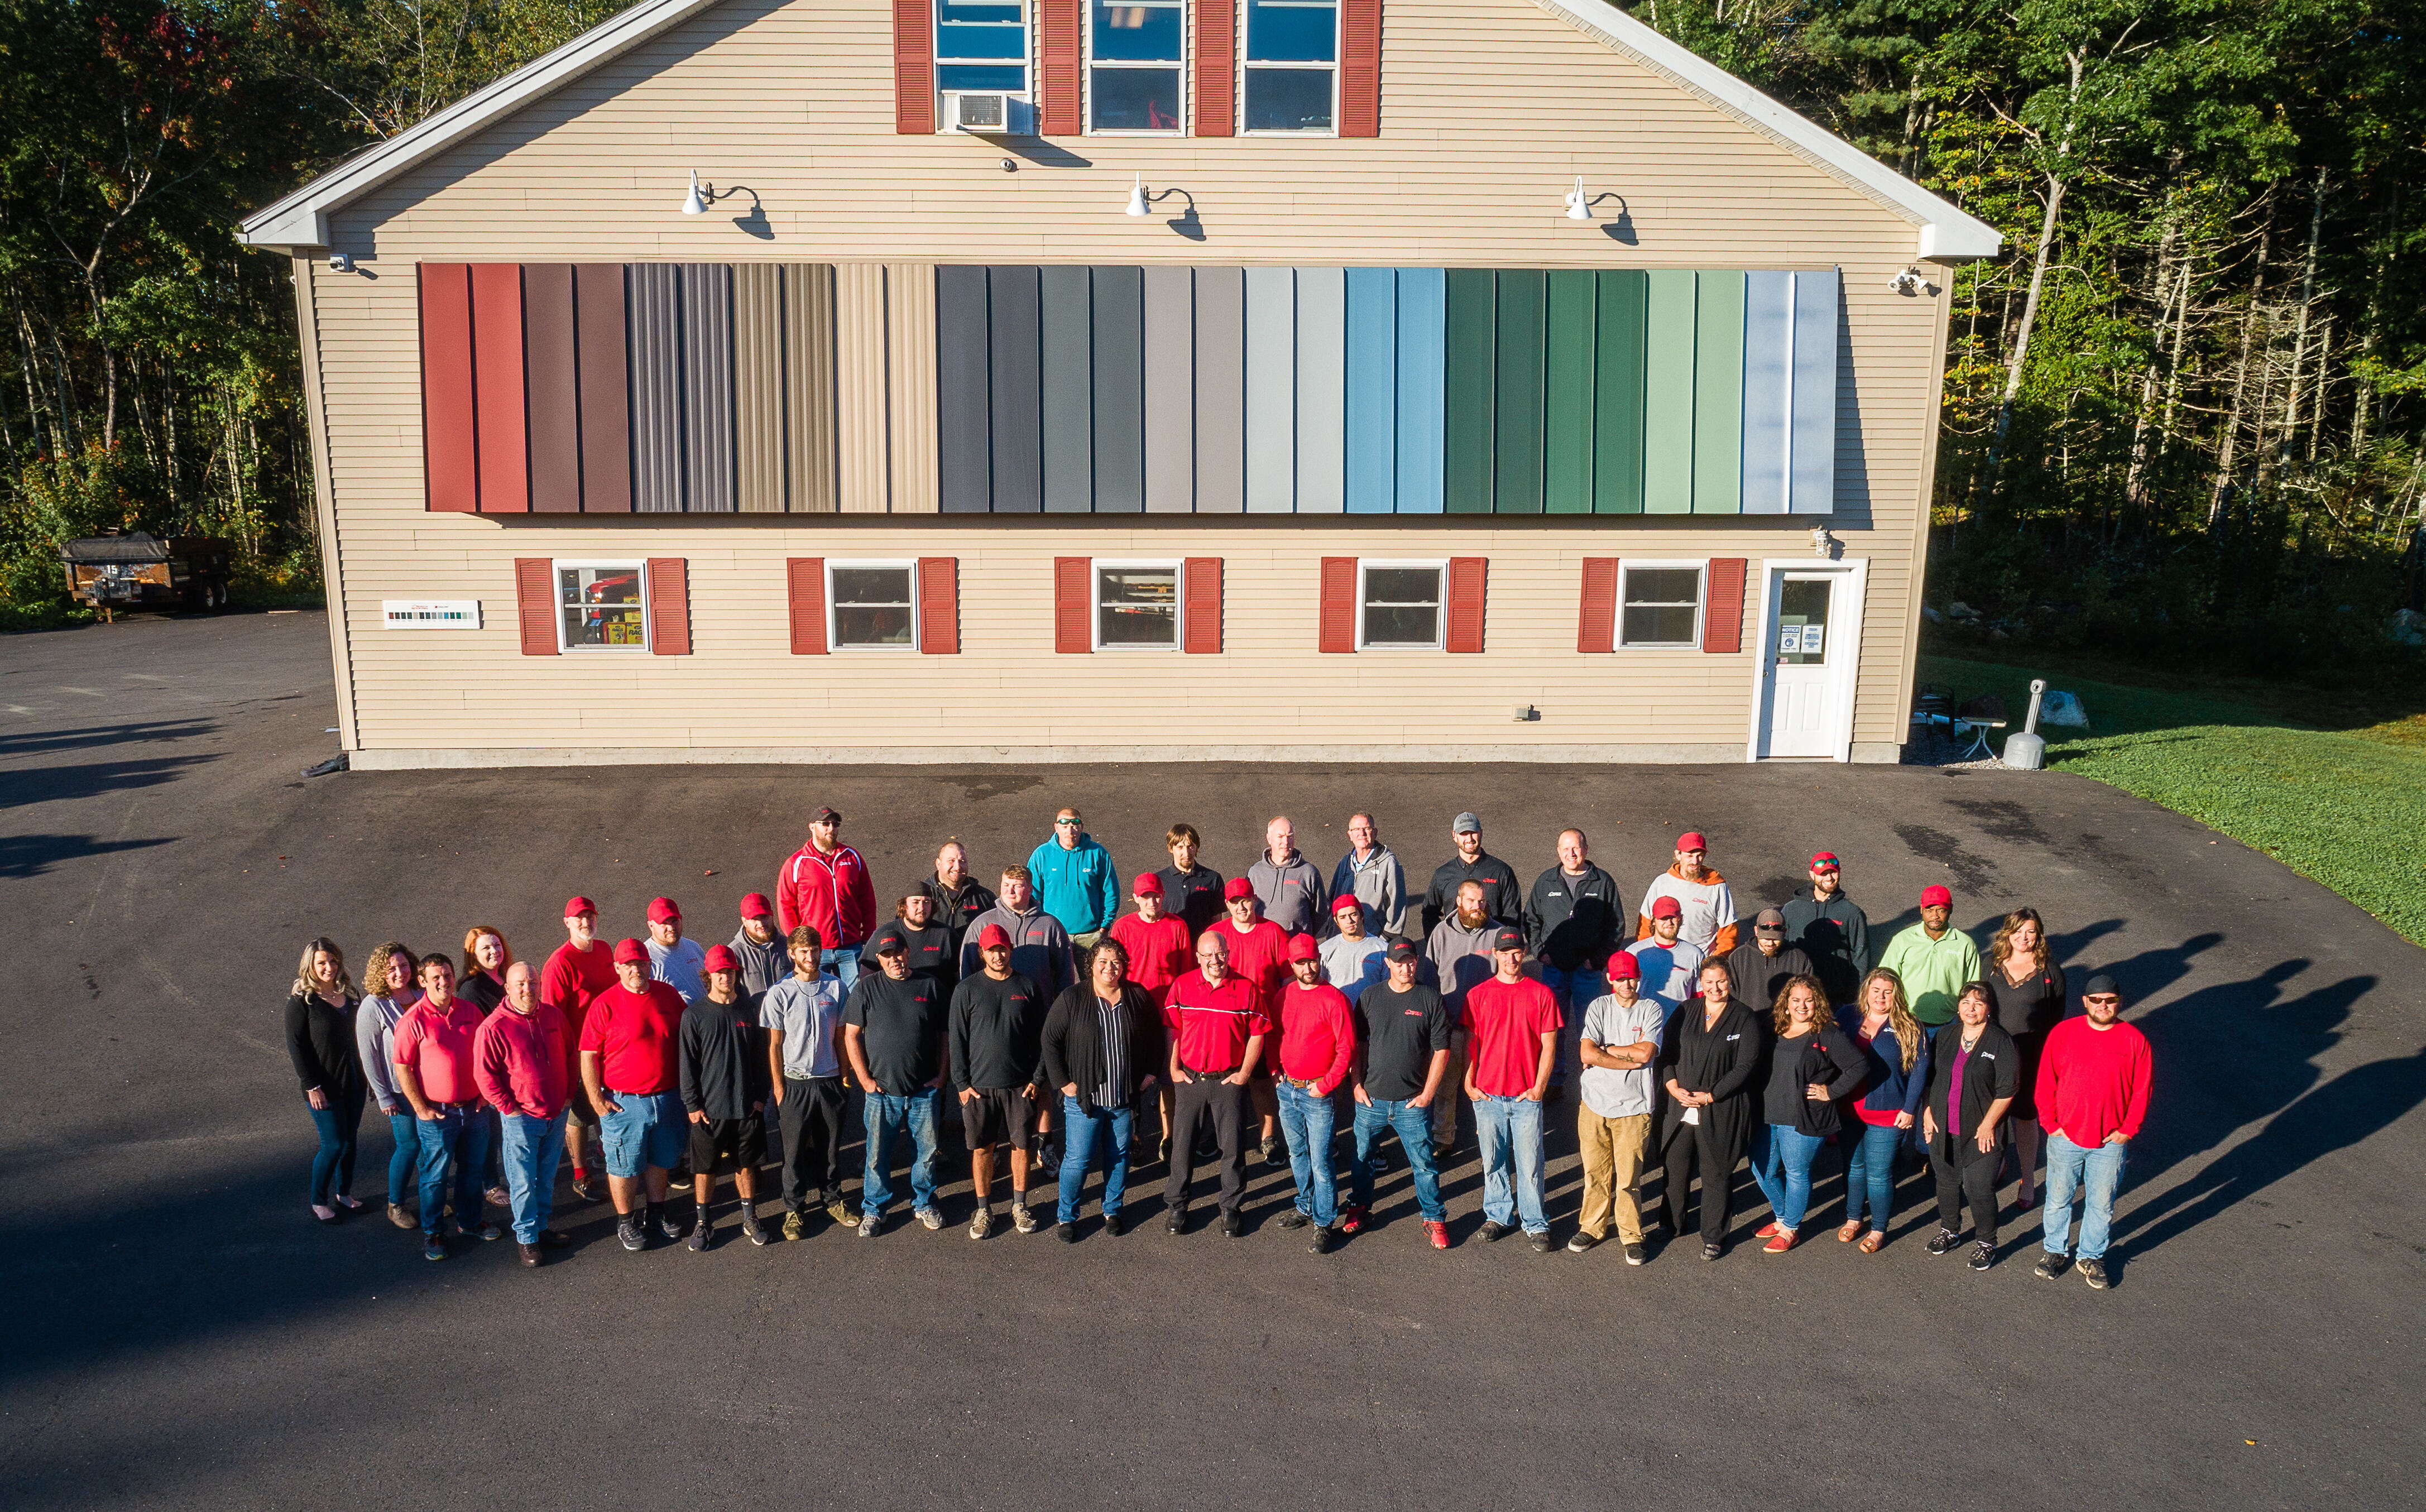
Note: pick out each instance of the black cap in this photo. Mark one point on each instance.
(2099, 986)
(1509, 938)
(1402, 950)
(891, 940)
(824, 814)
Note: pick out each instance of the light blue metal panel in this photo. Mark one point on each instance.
(1422, 376)
(1768, 389)
(1272, 390)
(1371, 455)
(1812, 445)
(1322, 388)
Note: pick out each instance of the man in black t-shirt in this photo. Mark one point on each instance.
(993, 1048)
(927, 943)
(726, 1082)
(893, 1033)
(1403, 1032)
(1189, 892)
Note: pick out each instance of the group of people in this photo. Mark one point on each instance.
(1245, 1014)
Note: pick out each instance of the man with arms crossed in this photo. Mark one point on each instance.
(631, 1069)
(802, 1015)
(1621, 1042)
(1831, 929)
(1403, 1065)
(996, 1056)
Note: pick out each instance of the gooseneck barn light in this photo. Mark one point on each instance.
(1136, 206)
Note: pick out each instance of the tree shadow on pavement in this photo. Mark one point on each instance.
(26, 856)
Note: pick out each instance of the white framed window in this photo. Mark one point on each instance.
(981, 45)
(601, 605)
(1292, 66)
(1659, 604)
(871, 605)
(1401, 606)
(1137, 67)
(1136, 604)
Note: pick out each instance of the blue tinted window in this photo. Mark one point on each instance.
(1147, 33)
(1288, 99)
(973, 31)
(1010, 76)
(1291, 31)
(1136, 99)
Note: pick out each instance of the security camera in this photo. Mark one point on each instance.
(1909, 283)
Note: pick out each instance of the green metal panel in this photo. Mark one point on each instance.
(1718, 394)
(1617, 392)
(1668, 393)
(1518, 409)
(1467, 441)
(1567, 396)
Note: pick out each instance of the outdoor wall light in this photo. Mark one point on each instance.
(1136, 206)
(1579, 202)
(694, 203)
(1142, 200)
(702, 194)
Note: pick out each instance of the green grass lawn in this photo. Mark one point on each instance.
(2347, 808)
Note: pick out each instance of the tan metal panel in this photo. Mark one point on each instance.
(809, 385)
(861, 396)
(910, 353)
(758, 385)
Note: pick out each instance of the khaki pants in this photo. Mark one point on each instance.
(1452, 1092)
(1613, 1150)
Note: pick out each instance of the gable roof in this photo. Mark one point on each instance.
(301, 219)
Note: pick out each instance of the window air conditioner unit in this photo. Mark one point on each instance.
(988, 114)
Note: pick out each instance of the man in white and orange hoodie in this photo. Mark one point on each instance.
(1708, 908)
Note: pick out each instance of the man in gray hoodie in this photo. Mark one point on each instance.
(1040, 947)
(1459, 953)
(1371, 874)
(1289, 885)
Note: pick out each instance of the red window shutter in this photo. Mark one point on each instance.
(939, 605)
(1217, 66)
(450, 458)
(534, 605)
(1360, 68)
(1335, 630)
(1466, 574)
(805, 588)
(669, 606)
(1596, 625)
(1200, 614)
(913, 67)
(1723, 616)
(1061, 22)
(1072, 590)
(498, 394)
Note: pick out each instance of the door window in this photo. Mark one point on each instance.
(1802, 622)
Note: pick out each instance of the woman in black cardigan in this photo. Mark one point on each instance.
(1099, 1077)
(320, 1041)
(1709, 1063)
(2030, 990)
(1811, 1064)
(1974, 1067)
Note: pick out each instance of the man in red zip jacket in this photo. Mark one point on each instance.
(1318, 1048)
(825, 885)
(1258, 952)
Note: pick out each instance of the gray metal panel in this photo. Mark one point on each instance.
(708, 446)
(1220, 390)
(1120, 391)
(1272, 390)
(656, 342)
(1066, 400)
(1012, 353)
(964, 434)
(1170, 391)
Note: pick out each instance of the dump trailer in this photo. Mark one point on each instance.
(146, 572)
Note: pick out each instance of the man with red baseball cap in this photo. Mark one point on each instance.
(826, 885)
(1831, 929)
(1159, 947)
(1351, 957)
(1257, 953)
(1217, 1027)
(1708, 906)
(1318, 1048)
(1402, 1068)
(1671, 965)
(1621, 1034)
(1512, 1031)
(993, 1047)
(581, 968)
(764, 959)
(1933, 959)
(631, 1069)
(725, 1086)
(674, 960)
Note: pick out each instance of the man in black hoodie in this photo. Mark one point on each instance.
(1831, 929)
(1572, 922)
(1503, 896)
(1763, 964)
(957, 897)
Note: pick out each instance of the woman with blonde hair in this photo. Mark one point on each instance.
(320, 1041)
(486, 956)
(389, 975)
(2030, 993)
(1809, 1061)
(1896, 1051)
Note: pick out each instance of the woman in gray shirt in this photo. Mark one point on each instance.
(388, 975)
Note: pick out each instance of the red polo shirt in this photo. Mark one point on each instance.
(523, 1063)
(638, 1036)
(1261, 955)
(1317, 1037)
(1504, 1025)
(571, 980)
(438, 1047)
(1160, 953)
(1210, 1025)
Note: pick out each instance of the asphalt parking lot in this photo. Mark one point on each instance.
(180, 1333)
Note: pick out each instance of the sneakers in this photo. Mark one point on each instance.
(1490, 1232)
(795, 1224)
(432, 1246)
(750, 1229)
(2094, 1272)
(930, 1218)
(1984, 1255)
(400, 1217)
(699, 1236)
(1023, 1218)
(668, 1224)
(840, 1211)
(1437, 1232)
(1945, 1242)
(528, 1254)
(1066, 1233)
(1115, 1225)
(1711, 1251)
(628, 1230)
(1540, 1242)
(1350, 1219)
(1293, 1218)
(2050, 1267)
(1635, 1254)
(1233, 1226)
(1324, 1240)
(1176, 1222)
(868, 1224)
(1580, 1243)
(1271, 1153)
(982, 1224)
(1780, 1241)
(487, 1232)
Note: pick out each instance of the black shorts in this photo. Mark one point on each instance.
(579, 1110)
(722, 1146)
(1002, 1115)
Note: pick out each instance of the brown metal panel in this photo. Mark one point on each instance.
(550, 378)
(604, 389)
(861, 445)
(758, 386)
(909, 380)
(809, 386)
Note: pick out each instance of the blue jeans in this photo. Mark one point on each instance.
(884, 1113)
(1306, 1121)
(1509, 1130)
(333, 1163)
(1079, 1153)
(406, 1131)
(1870, 1172)
(1414, 1127)
(459, 1136)
(2070, 1168)
(533, 1147)
(844, 963)
(646, 1130)
(1781, 1167)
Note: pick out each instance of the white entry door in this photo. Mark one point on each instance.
(1809, 637)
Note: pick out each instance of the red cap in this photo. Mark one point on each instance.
(1344, 902)
(993, 935)
(578, 905)
(756, 906)
(721, 958)
(1664, 906)
(1301, 947)
(631, 952)
(1691, 840)
(1934, 896)
(1236, 888)
(1147, 886)
(662, 910)
(1623, 964)
(1824, 861)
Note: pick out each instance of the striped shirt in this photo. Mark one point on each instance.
(1112, 1032)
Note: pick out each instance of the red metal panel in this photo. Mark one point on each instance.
(1073, 606)
(805, 590)
(534, 605)
(1596, 625)
(498, 401)
(669, 606)
(605, 389)
(1360, 68)
(939, 605)
(553, 416)
(1723, 617)
(450, 455)
(1060, 58)
(1336, 629)
(1200, 612)
(913, 67)
(1465, 577)
(1217, 68)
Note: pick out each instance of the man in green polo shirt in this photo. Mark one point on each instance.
(1933, 959)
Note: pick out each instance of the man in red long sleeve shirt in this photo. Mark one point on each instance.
(521, 1060)
(1258, 952)
(1160, 952)
(582, 967)
(1217, 1029)
(2093, 1095)
(825, 884)
(1318, 1047)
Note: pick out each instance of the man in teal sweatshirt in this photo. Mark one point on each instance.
(1075, 880)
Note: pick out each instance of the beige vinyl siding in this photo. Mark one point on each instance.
(1490, 108)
